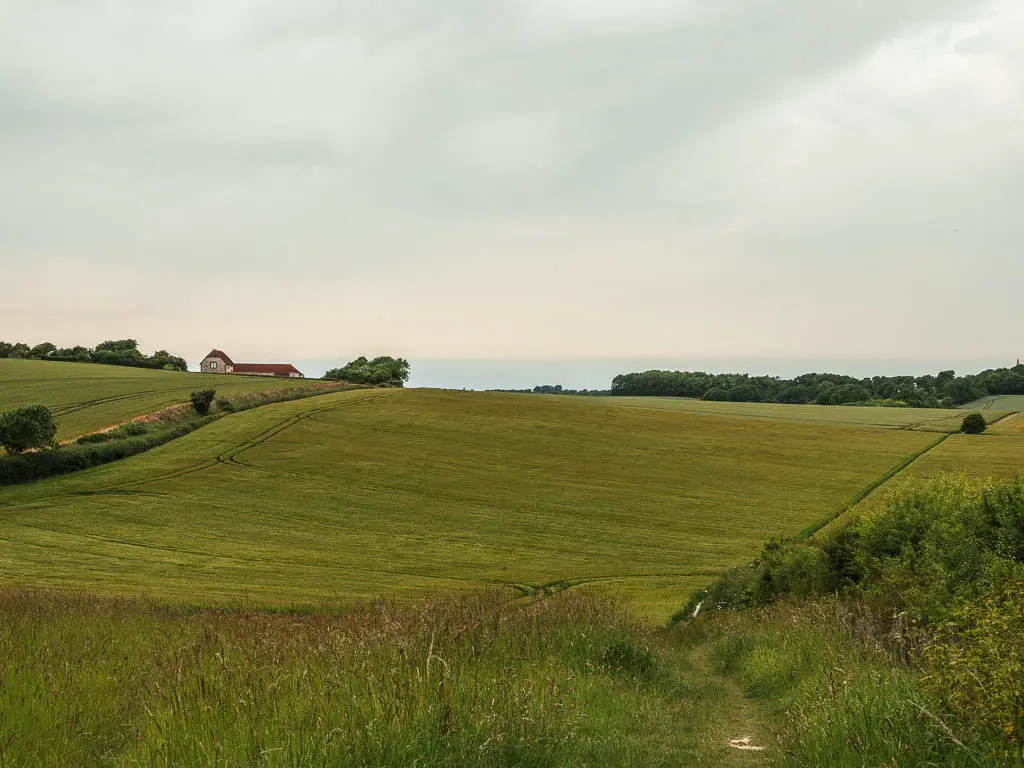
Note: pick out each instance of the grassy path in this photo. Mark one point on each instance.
(736, 716)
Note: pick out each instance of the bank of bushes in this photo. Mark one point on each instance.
(940, 571)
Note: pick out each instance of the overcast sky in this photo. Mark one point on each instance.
(515, 178)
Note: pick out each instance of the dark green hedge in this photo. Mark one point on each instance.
(26, 467)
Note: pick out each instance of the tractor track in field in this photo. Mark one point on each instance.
(873, 486)
(67, 408)
(228, 456)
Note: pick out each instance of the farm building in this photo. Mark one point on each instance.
(219, 362)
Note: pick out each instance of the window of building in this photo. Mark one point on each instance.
(213, 365)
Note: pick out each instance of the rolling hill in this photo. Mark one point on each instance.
(358, 494)
(290, 513)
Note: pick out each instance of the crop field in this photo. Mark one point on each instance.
(923, 419)
(354, 495)
(1004, 403)
(977, 455)
(997, 453)
(86, 397)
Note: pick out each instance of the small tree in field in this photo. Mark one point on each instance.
(973, 424)
(202, 399)
(25, 428)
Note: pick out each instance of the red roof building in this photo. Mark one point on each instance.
(219, 362)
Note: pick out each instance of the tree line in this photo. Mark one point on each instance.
(119, 352)
(556, 389)
(944, 389)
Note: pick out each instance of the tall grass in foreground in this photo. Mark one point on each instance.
(839, 696)
(479, 680)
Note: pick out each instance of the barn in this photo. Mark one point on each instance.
(218, 361)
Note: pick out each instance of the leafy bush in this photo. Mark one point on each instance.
(976, 658)
(973, 424)
(225, 405)
(202, 400)
(131, 429)
(95, 437)
(25, 428)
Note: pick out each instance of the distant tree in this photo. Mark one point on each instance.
(46, 349)
(962, 390)
(717, 394)
(548, 389)
(379, 370)
(20, 350)
(849, 393)
(797, 393)
(202, 400)
(5, 349)
(823, 396)
(121, 345)
(973, 424)
(25, 428)
(168, 362)
(745, 393)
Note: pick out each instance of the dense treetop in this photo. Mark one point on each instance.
(393, 371)
(943, 389)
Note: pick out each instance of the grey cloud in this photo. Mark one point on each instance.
(435, 171)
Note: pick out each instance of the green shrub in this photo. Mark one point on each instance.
(225, 405)
(95, 437)
(29, 427)
(131, 429)
(973, 424)
(976, 659)
(202, 399)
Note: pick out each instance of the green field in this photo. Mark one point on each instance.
(996, 403)
(85, 397)
(359, 494)
(470, 501)
(978, 455)
(923, 419)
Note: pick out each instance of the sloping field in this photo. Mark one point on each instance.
(364, 493)
(997, 453)
(924, 419)
(978, 455)
(996, 403)
(86, 396)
